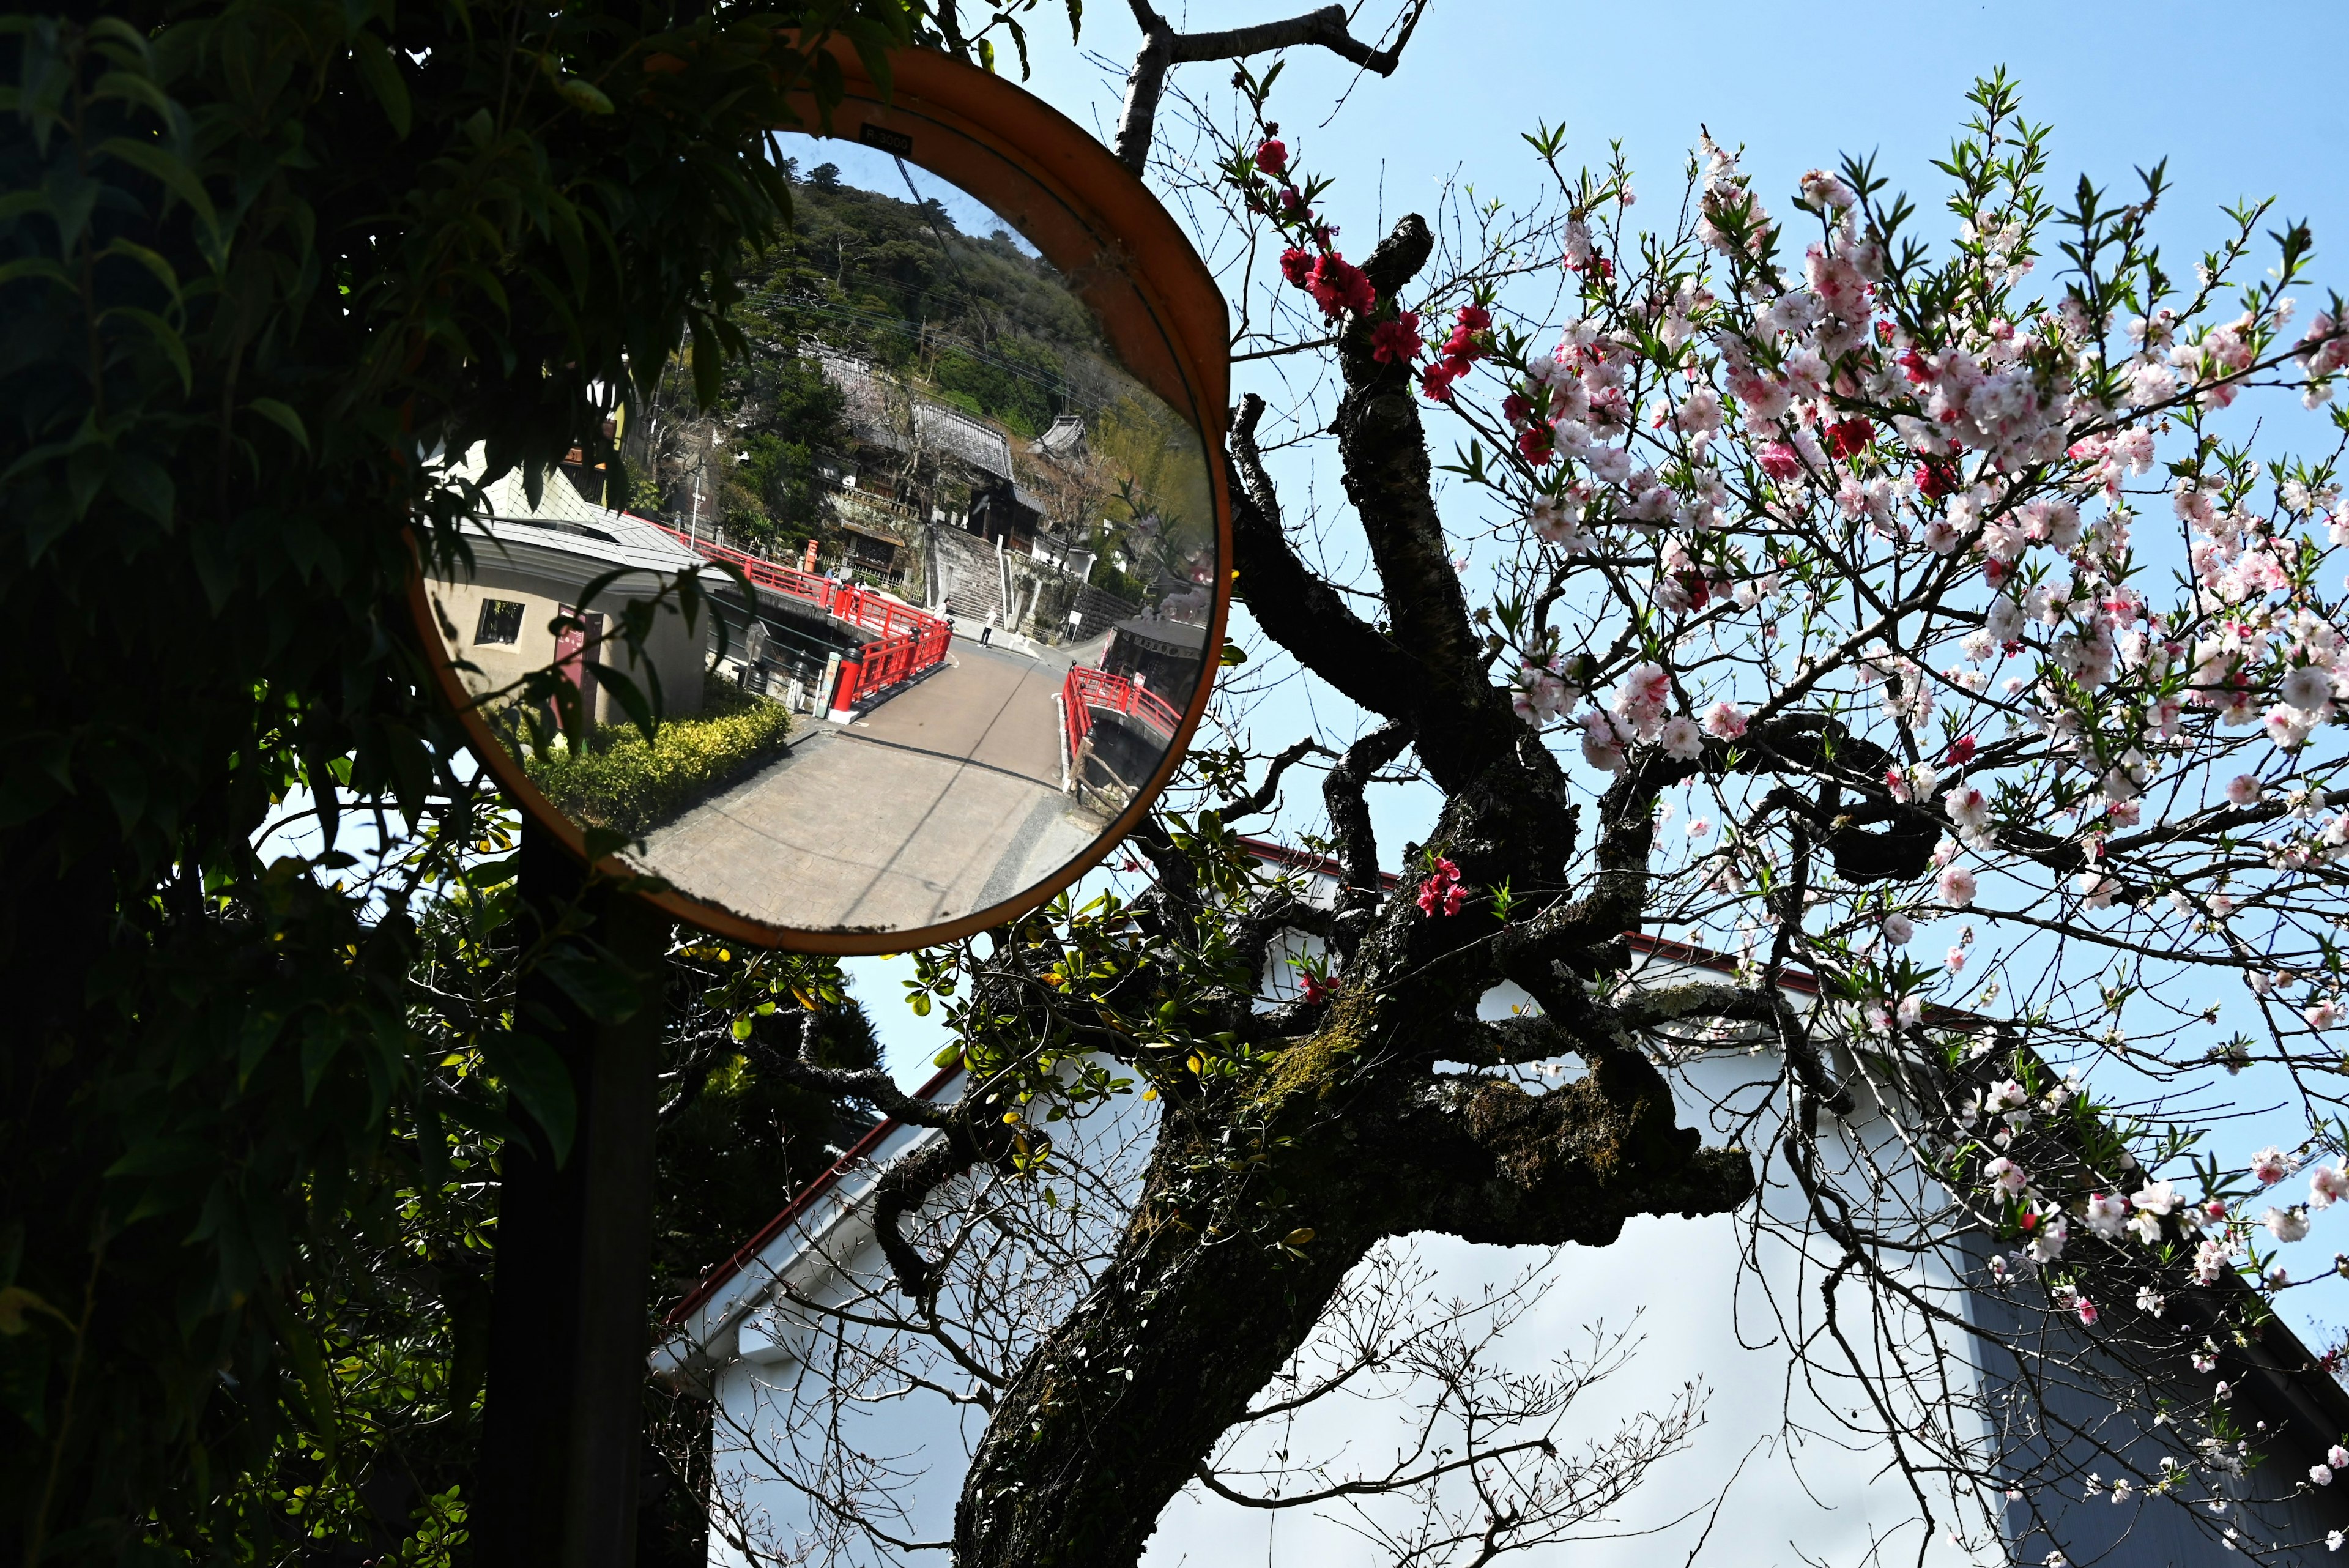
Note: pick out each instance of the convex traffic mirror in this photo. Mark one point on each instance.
(926, 606)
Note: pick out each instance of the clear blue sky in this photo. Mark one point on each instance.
(2226, 93)
(2239, 99)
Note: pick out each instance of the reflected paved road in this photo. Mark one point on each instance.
(944, 800)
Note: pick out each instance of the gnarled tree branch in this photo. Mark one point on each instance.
(1163, 48)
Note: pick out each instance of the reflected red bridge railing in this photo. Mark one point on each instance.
(1087, 689)
(910, 641)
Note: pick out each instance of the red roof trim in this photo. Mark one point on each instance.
(873, 1135)
(1304, 860)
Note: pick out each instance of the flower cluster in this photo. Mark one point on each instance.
(1441, 893)
(1470, 341)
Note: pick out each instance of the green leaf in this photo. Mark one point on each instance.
(152, 261)
(15, 1302)
(174, 173)
(309, 1364)
(35, 266)
(600, 988)
(167, 337)
(1233, 654)
(380, 71)
(583, 96)
(533, 1074)
(284, 417)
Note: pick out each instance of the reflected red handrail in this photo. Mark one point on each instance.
(911, 640)
(1087, 689)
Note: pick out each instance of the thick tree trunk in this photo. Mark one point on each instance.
(1264, 1190)
(1216, 1281)
(1203, 1304)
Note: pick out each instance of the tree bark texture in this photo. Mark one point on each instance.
(1265, 1190)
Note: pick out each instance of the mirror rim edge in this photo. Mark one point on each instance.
(1181, 294)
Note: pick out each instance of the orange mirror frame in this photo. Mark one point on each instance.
(1157, 305)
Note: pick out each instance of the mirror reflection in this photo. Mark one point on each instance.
(979, 554)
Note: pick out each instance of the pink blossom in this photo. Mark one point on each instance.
(1957, 887)
(2322, 1014)
(1968, 808)
(1602, 742)
(2086, 1310)
(2270, 1166)
(1272, 157)
(2243, 790)
(1725, 721)
(2327, 1187)
(1680, 738)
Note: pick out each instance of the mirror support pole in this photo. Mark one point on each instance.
(556, 1482)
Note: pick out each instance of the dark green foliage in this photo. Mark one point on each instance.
(400, 1297)
(771, 497)
(255, 257)
(874, 274)
(874, 277)
(736, 1139)
(1017, 383)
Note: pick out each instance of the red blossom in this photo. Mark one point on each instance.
(1916, 368)
(1849, 438)
(1475, 318)
(1436, 381)
(1272, 157)
(1396, 342)
(1884, 333)
(1934, 481)
(1338, 286)
(1441, 890)
(1779, 462)
(1515, 407)
(1538, 443)
(1296, 265)
(1962, 751)
(1317, 990)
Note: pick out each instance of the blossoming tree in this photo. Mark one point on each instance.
(1924, 580)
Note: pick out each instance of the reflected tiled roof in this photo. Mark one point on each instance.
(563, 520)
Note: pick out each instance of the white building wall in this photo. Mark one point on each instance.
(1798, 1487)
(1780, 1473)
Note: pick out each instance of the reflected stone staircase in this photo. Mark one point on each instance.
(968, 581)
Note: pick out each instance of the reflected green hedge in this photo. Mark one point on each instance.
(622, 782)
